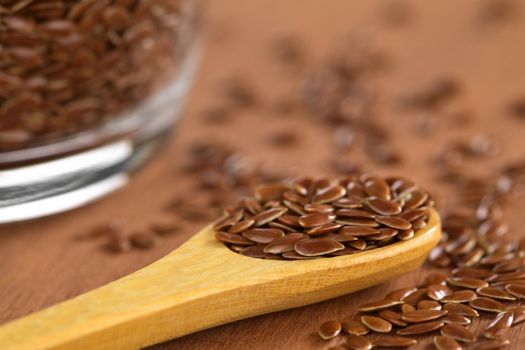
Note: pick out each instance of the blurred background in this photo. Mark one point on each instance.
(423, 89)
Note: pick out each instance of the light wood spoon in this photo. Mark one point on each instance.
(203, 284)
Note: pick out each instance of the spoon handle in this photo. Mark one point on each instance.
(203, 284)
(172, 297)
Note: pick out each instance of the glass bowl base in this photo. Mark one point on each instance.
(54, 186)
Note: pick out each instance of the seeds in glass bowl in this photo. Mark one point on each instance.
(69, 66)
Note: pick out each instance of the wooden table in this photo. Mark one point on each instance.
(42, 263)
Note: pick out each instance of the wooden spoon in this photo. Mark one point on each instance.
(203, 284)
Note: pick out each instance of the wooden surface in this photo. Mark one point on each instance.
(189, 290)
(42, 263)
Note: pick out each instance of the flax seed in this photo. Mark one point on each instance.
(435, 278)
(421, 328)
(400, 294)
(254, 251)
(394, 222)
(461, 296)
(358, 342)
(491, 344)
(458, 333)
(379, 305)
(392, 317)
(487, 304)
(472, 272)
(317, 246)
(438, 291)
(428, 305)
(419, 316)
(461, 309)
(416, 297)
(284, 244)
(383, 206)
(329, 330)
(467, 282)
(354, 327)
(376, 324)
(407, 308)
(394, 342)
(232, 238)
(500, 326)
(495, 293)
(456, 318)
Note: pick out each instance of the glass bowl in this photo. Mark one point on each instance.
(89, 90)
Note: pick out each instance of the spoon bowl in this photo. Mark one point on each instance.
(203, 284)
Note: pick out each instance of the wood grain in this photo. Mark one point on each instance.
(42, 262)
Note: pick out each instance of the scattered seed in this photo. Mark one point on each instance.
(491, 344)
(428, 305)
(143, 240)
(472, 272)
(458, 333)
(438, 291)
(358, 342)
(394, 342)
(118, 244)
(467, 282)
(421, 328)
(500, 326)
(405, 308)
(419, 316)
(379, 305)
(456, 318)
(376, 324)
(487, 304)
(516, 289)
(329, 330)
(435, 278)
(400, 294)
(461, 309)
(392, 317)
(354, 327)
(461, 296)
(442, 342)
(416, 297)
(519, 315)
(495, 293)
